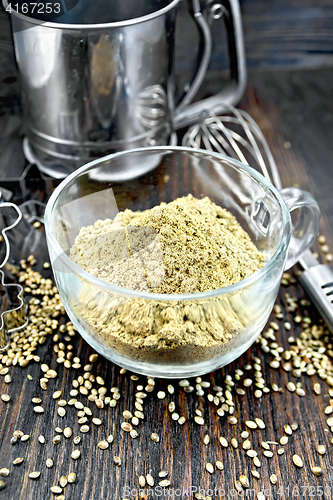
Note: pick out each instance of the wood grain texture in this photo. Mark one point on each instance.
(181, 451)
(289, 106)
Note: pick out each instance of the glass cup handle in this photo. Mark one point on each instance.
(306, 227)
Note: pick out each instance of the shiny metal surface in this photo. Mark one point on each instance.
(318, 282)
(308, 259)
(93, 89)
(84, 87)
(232, 93)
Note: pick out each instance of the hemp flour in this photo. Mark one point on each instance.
(186, 246)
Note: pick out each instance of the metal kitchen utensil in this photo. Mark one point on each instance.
(12, 310)
(237, 135)
(317, 279)
(12, 304)
(100, 79)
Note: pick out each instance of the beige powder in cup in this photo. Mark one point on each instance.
(182, 247)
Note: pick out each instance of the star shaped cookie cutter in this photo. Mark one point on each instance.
(13, 308)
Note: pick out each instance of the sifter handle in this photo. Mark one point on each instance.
(187, 114)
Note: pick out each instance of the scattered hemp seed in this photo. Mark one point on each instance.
(76, 454)
(68, 432)
(126, 426)
(244, 481)
(63, 481)
(18, 461)
(38, 409)
(150, 480)
(56, 490)
(142, 481)
(224, 442)
(219, 465)
(199, 420)
(260, 423)
(117, 460)
(164, 483)
(210, 468)
(206, 439)
(251, 425)
(291, 387)
(246, 444)
(163, 473)
(297, 461)
(103, 445)
(288, 430)
(317, 471)
(61, 411)
(5, 398)
(238, 486)
(234, 443)
(97, 421)
(34, 475)
(4, 472)
(321, 449)
(2, 485)
(49, 462)
(155, 437)
(71, 477)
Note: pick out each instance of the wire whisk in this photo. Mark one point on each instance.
(237, 135)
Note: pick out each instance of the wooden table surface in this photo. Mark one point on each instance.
(295, 112)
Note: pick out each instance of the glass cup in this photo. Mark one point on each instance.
(173, 335)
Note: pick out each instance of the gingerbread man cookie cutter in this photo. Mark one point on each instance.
(13, 308)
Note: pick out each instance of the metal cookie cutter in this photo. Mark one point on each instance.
(12, 304)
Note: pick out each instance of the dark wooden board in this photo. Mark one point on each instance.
(180, 450)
